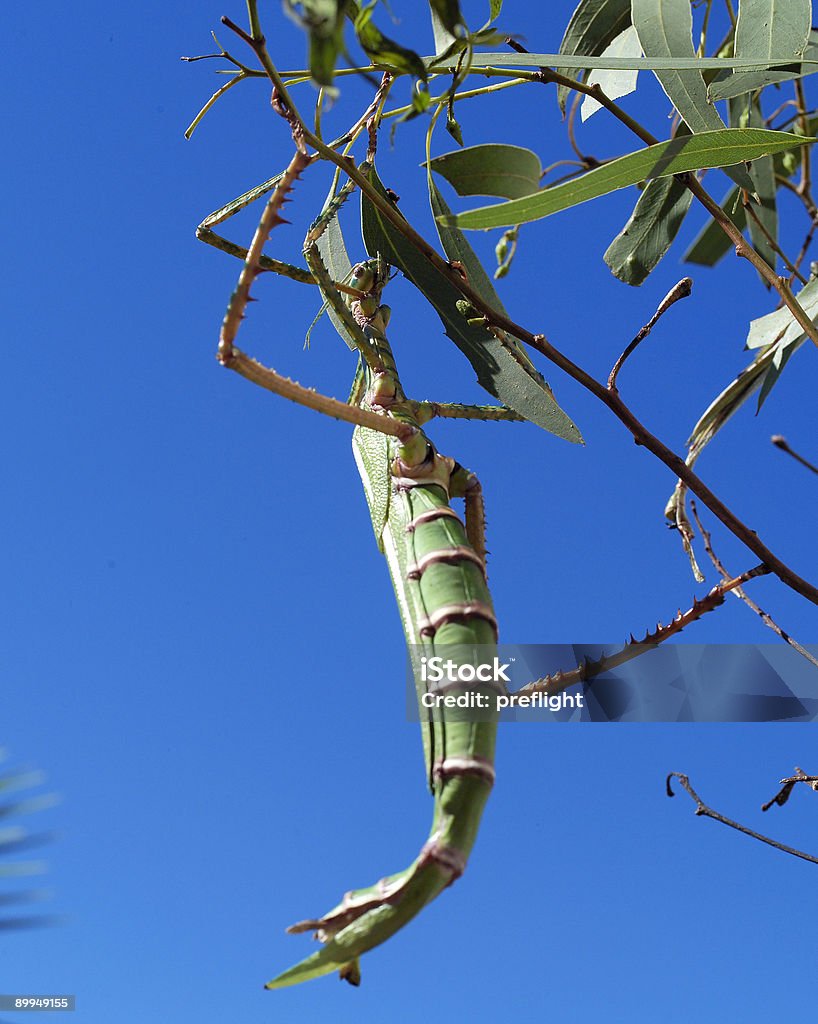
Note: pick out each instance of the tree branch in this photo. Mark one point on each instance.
(635, 648)
(499, 320)
(708, 812)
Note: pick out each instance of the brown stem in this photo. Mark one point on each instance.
(678, 291)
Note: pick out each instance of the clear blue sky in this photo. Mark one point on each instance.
(199, 644)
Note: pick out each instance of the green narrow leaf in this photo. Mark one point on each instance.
(650, 230)
(333, 252)
(495, 6)
(712, 243)
(593, 26)
(448, 13)
(382, 50)
(665, 29)
(762, 219)
(443, 38)
(780, 326)
(457, 249)
(490, 170)
(498, 365)
(765, 29)
(708, 149)
(615, 84)
(780, 357)
(323, 20)
(556, 60)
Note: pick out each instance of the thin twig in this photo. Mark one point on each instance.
(678, 291)
(588, 162)
(751, 213)
(634, 648)
(787, 786)
(784, 182)
(708, 812)
(764, 616)
(781, 442)
(768, 121)
(805, 184)
(806, 243)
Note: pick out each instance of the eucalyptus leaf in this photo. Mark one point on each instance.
(592, 28)
(323, 20)
(780, 326)
(497, 363)
(780, 357)
(650, 230)
(560, 61)
(765, 29)
(665, 29)
(382, 50)
(443, 38)
(448, 12)
(490, 170)
(707, 149)
(535, 390)
(615, 84)
(333, 252)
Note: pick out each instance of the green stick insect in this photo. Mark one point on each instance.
(436, 561)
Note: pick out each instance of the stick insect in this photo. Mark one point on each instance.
(436, 561)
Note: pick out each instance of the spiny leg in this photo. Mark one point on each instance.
(265, 263)
(205, 230)
(234, 359)
(458, 411)
(205, 233)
